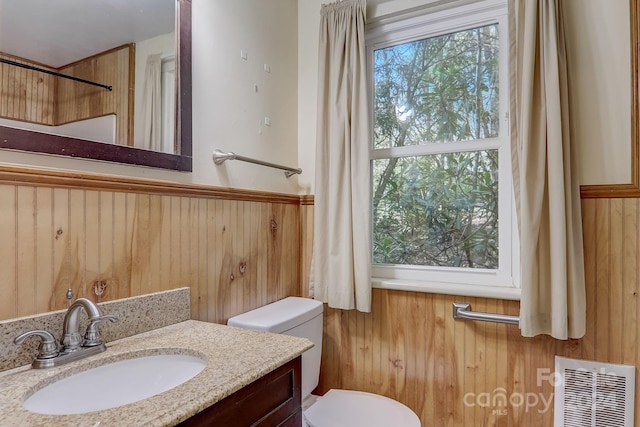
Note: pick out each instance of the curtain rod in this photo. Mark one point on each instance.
(463, 311)
(53, 73)
(219, 157)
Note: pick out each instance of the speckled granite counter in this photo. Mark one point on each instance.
(235, 358)
(135, 315)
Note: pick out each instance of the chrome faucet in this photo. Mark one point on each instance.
(73, 345)
(71, 339)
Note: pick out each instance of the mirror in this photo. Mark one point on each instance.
(127, 152)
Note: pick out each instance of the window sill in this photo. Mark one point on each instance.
(498, 292)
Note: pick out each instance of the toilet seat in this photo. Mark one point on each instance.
(347, 408)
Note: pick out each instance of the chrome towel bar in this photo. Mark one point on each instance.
(463, 311)
(219, 157)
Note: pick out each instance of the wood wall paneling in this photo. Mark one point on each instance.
(77, 101)
(243, 253)
(26, 95)
(460, 373)
(36, 97)
(104, 244)
(306, 242)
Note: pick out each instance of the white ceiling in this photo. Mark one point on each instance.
(59, 32)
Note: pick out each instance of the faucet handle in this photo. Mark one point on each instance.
(48, 346)
(92, 336)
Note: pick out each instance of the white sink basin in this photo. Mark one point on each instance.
(114, 384)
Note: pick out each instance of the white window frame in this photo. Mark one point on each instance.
(504, 281)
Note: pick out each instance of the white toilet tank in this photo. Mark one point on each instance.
(299, 317)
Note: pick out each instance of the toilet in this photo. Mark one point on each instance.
(302, 317)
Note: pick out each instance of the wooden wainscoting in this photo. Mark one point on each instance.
(77, 101)
(306, 242)
(36, 97)
(457, 373)
(26, 95)
(60, 232)
(238, 250)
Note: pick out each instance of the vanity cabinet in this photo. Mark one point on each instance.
(273, 400)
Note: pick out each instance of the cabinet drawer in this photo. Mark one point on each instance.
(273, 400)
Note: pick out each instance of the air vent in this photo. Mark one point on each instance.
(593, 394)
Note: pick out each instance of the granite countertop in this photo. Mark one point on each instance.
(235, 358)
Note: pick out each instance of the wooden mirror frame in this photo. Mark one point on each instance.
(23, 140)
(632, 189)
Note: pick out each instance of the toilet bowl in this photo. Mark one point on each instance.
(348, 408)
(302, 317)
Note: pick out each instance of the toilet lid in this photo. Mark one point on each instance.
(346, 408)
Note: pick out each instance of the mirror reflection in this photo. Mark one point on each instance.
(129, 45)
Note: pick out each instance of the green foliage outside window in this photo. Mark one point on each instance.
(437, 209)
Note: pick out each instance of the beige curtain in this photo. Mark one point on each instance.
(152, 104)
(341, 274)
(545, 174)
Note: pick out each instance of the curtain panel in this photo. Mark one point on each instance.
(545, 174)
(152, 104)
(341, 271)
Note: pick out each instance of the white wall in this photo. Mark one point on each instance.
(99, 129)
(233, 96)
(308, 23)
(599, 38)
(227, 112)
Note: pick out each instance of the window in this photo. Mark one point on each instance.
(442, 197)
